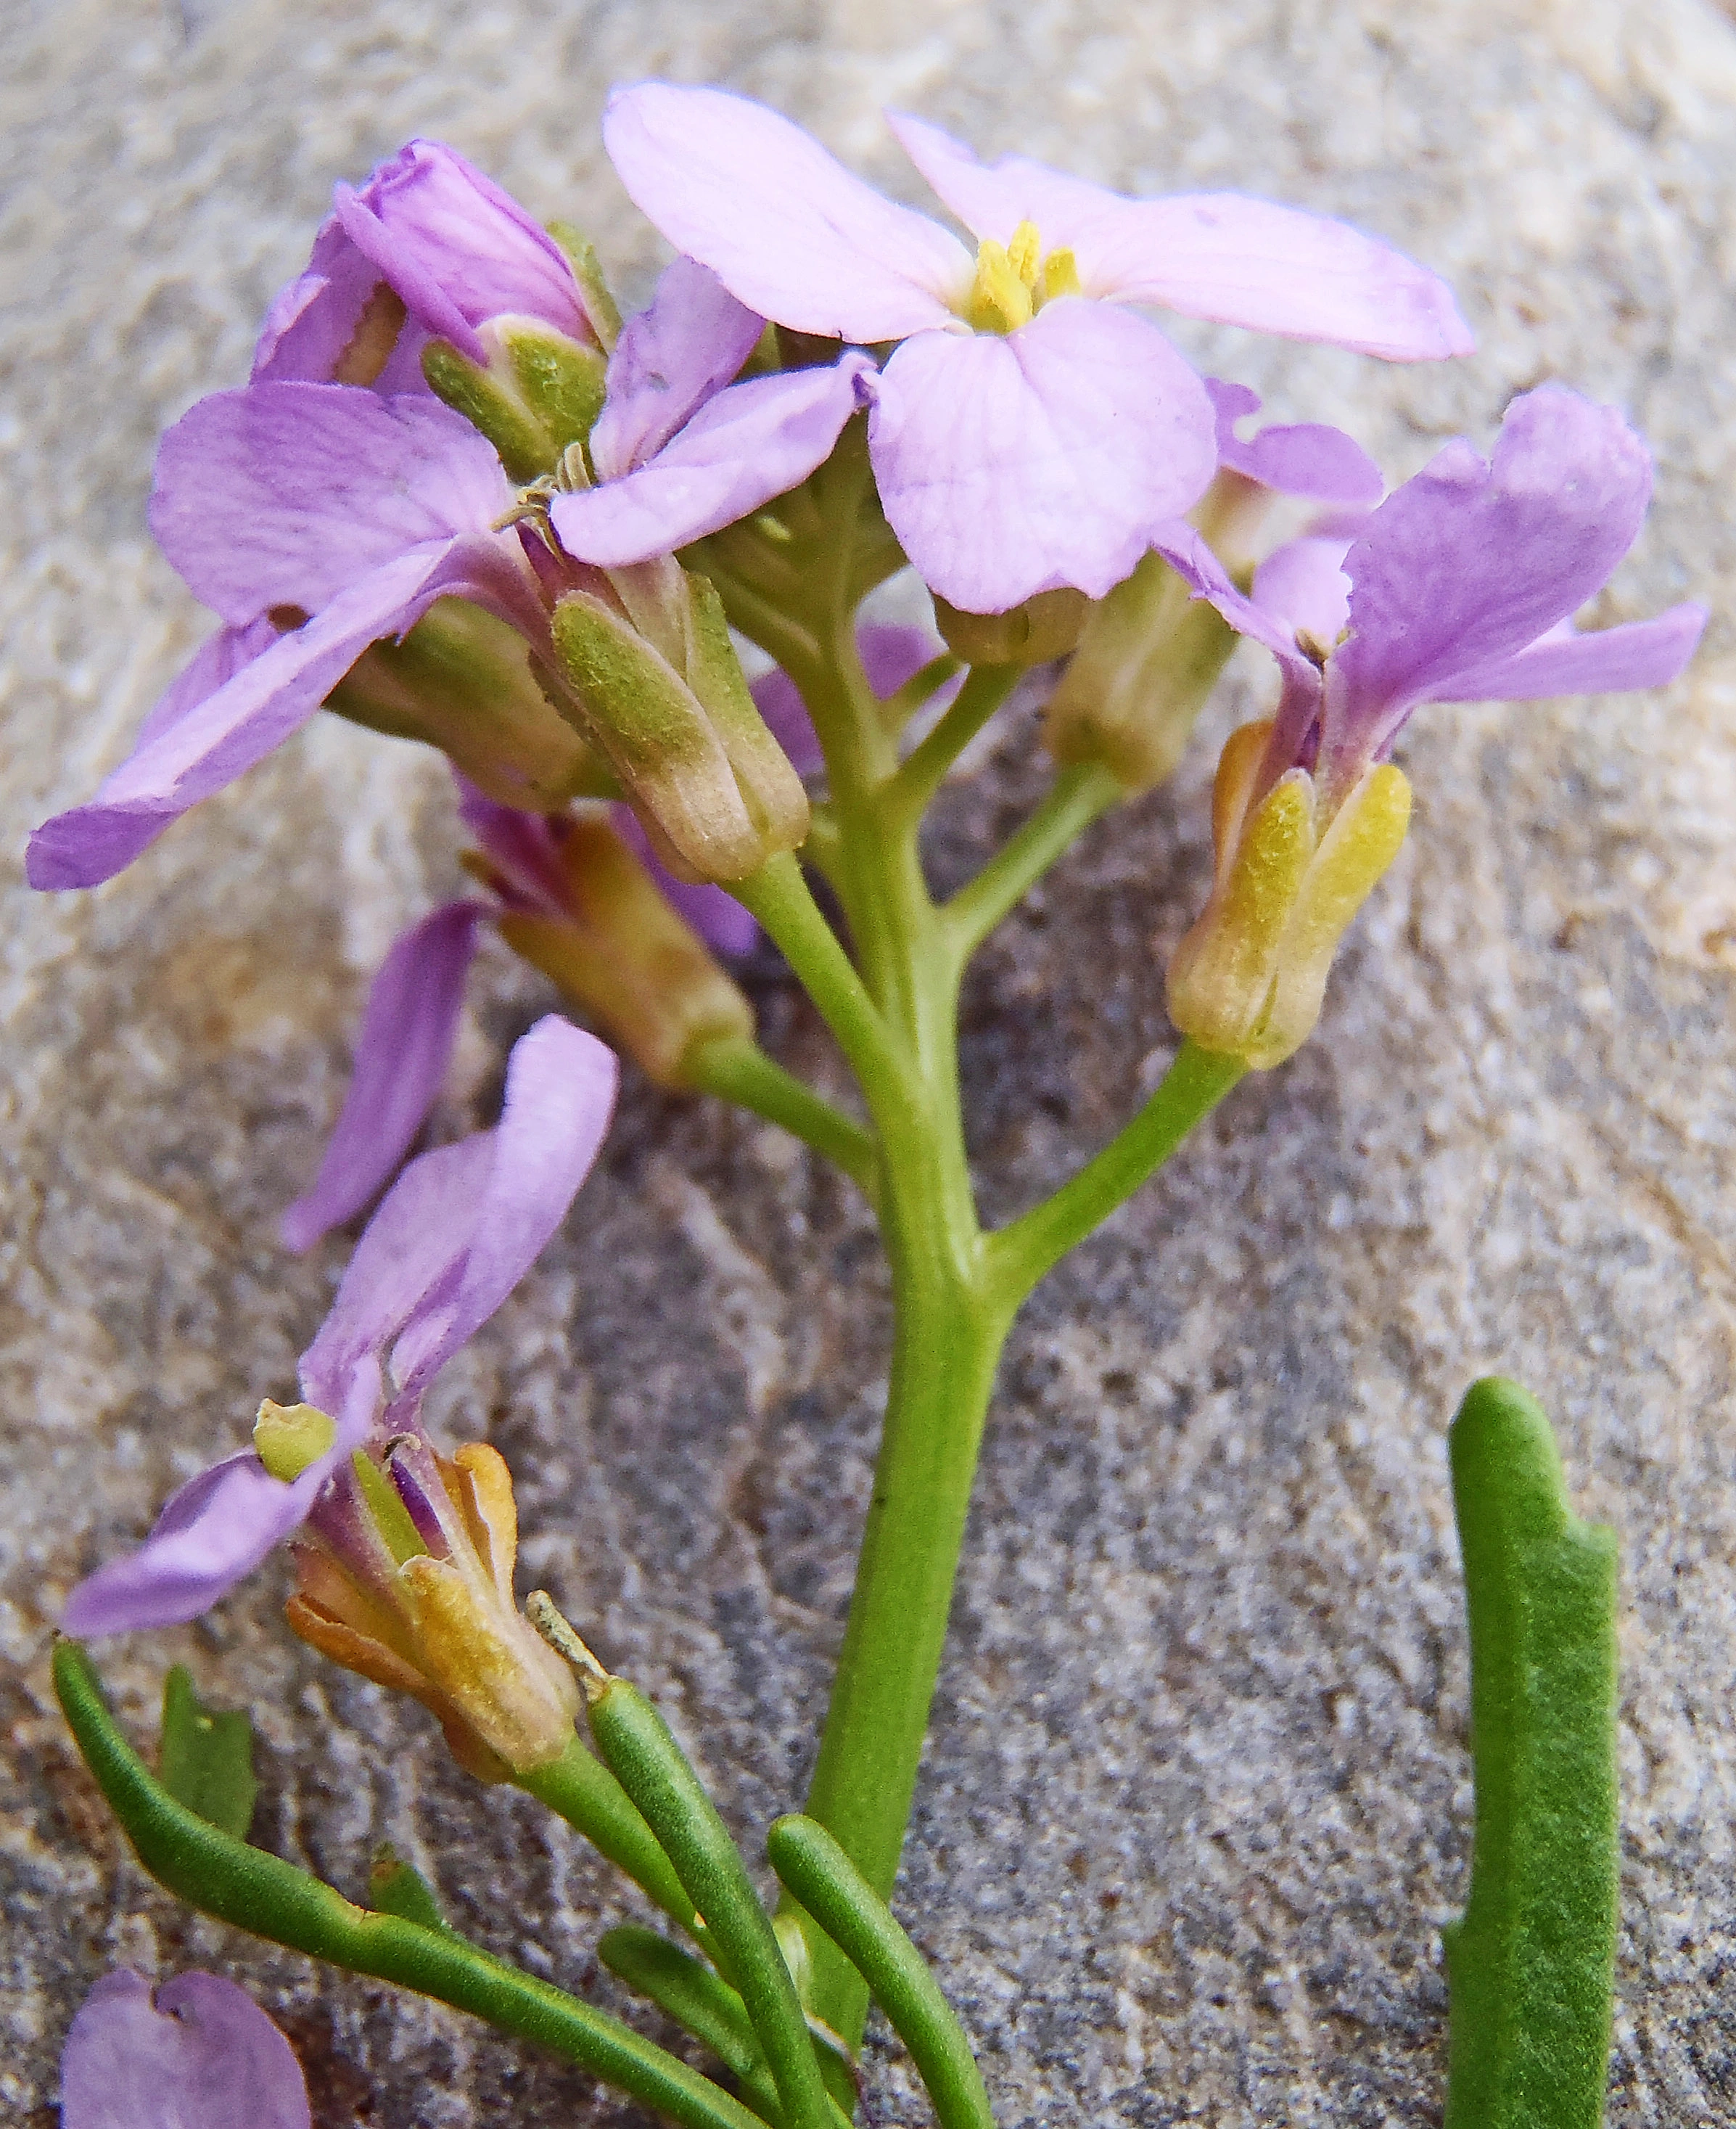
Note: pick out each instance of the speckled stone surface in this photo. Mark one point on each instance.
(1196, 1799)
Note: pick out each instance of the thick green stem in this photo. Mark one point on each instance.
(579, 1788)
(985, 688)
(740, 1072)
(1020, 1254)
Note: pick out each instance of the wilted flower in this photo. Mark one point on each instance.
(1029, 432)
(1460, 588)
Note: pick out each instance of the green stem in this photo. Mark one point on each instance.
(1080, 794)
(689, 1992)
(1530, 1965)
(739, 1071)
(985, 688)
(224, 1877)
(579, 1788)
(1020, 1254)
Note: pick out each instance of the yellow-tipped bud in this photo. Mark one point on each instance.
(1148, 657)
(1248, 978)
(625, 955)
(461, 681)
(662, 690)
(439, 1622)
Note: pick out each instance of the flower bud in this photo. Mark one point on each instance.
(1149, 655)
(405, 1577)
(462, 681)
(1044, 627)
(657, 677)
(1248, 978)
(618, 949)
(536, 391)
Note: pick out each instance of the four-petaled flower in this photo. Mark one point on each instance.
(1029, 432)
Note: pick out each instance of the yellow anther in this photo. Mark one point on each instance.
(1024, 251)
(1060, 274)
(286, 1438)
(999, 301)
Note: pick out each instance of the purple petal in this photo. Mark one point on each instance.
(669, 361)
(210, 744)
(752, 442)
(213, 1532)
(205, 2057)
(457, 249)
(784, 228)
(284, 495)
(523, 848)
(217, 660)
(1216, 255)
(1308, 458)
(560, 1093)
(1302, 585)
(1009, 466)
(1468, 563)
(1189, 556)
(716, 916)
(1639, 654)
(310, 326)
(407, 1032)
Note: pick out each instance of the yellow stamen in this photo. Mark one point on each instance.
(287, 1438)
(1060, 274)
(1023, 252)
(999, 301)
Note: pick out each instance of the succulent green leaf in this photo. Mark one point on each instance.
(1530, 1964)
(206, 1756)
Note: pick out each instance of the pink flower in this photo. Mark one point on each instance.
(1029, 432)
(198, 2054)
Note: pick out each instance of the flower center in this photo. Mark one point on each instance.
(1015, 280)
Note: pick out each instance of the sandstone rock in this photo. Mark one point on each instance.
(1197, 1799)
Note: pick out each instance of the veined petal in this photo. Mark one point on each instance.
(786, 228)
(401, 1052)
(312, 325)
(560, 1094)
(203, 2055)
(211, 743)
(213, 1532)
(1638, 654)
(217, 660)
(1302, 585)
(752, 442)
(1470, 562)
(284, 495)
(1014, 465)
(1217, 255)
(669, 361)
(1307, 459)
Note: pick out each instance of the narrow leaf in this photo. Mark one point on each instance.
(1530, 1964)
(397, 1888)
(685, 1989)
(206, 1756)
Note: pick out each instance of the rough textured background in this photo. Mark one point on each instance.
(1197, 1799)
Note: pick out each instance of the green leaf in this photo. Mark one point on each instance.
(1530, 1964)
(397, 1888)
(206, 1756)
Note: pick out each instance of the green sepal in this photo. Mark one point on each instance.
(816, 1871)
(223, 1877)
(397, 1888)
(483, 399)
(1530, 1964)
(600, 306)
(640, 1749)
(206, 1756)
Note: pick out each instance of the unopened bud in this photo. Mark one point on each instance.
(462, 681)
(669, 706)
(1045, 626)
(1248, 978)
(624, 953)
(405, 1577)
(538, 392)
(1148, 657)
